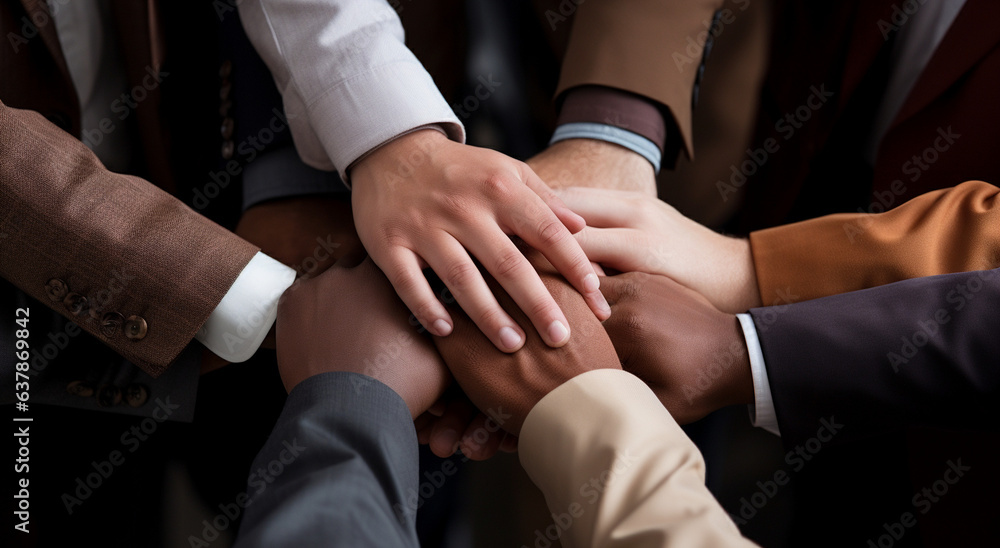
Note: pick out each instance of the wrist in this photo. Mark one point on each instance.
(745, 293)
(398, 155)
(736, 383)
(594, 163)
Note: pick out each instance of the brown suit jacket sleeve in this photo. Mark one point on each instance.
(70, 229)
(940, 232)
(651, 48)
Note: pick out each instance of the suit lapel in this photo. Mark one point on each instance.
(971, 36)
(38, 10)
(867, 39)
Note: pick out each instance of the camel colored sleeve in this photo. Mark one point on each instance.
(617, 470)
(940, 232)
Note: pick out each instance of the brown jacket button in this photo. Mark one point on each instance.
(228, 125)
(80, 388)
(227, 149)
(135, 328)
(136, 394)
(56, 289)
(225, 69)
(111, 324)
(75, 303)
(109, 395)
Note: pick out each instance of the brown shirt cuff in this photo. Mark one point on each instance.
(613, 107)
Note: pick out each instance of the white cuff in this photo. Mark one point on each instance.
(762, 413)
(235, 329)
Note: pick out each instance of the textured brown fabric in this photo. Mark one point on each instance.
(604, 105)
(648, 47)
(62, 215)
(944, 231)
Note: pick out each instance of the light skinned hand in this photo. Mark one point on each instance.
(350, 319)
(633, 232)
(423, 200)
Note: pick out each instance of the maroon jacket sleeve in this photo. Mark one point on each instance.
(920, 352)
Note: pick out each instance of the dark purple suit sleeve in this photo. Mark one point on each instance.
(924, 351)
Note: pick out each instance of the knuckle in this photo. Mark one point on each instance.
(509, 264)
(426, 311)
(498, 187)
(460, 273)
(401, 279)
(542, 308)
(394, 236)
(455, 204)
(551, 232)
(491, 318)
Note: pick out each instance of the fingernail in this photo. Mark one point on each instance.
(558, 332)
(441, 327)
(450, 438)
(604, 306)
(591, 283)
(509, 338)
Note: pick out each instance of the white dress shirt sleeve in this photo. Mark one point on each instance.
(348, 81)
(235, 329)
(762, 413)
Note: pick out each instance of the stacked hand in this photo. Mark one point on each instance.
(349, 319)
(422, 200)
(630, 231)
(689, 353)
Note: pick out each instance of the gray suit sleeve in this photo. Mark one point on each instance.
(334, 470)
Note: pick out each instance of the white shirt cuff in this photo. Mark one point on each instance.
(762, 413)
(235, 329)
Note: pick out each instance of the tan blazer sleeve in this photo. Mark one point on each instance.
(129, 263)
(940, 232)
(616, 470)
(649, 47)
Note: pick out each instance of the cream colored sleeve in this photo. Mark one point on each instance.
(617, 470)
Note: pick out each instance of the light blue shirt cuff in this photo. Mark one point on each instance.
(612, 134)
(762, 413)
(280, 173)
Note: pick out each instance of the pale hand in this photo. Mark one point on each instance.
(425, 201)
